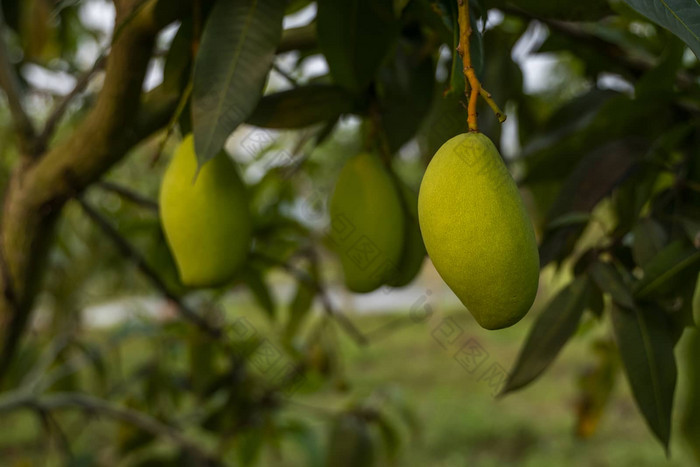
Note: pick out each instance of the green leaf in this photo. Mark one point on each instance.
(646, 347)
(696, 302)
(354, 36)
(351, 443)
(406, 92)
(609, 281)
(306, 437)
(178, 60)
(447, 118)
(570, 218)
(649, 239)
(261, 292)
(681, 17)
(301, 107)
(552, 329)
(591, 10)
(390, 435)
(237, 49)
(663, 269)
(299, 308)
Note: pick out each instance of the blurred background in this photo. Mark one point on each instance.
(405, 376)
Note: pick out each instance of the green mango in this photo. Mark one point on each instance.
(413, 250)
(477, 232)
(205, 217)
(688, 397)
(366, 223)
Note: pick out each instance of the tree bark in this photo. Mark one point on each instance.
(39, 187)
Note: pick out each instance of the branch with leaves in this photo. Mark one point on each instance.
(95, 406)
(473, 86)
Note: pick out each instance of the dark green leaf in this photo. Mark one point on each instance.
(594, 177)
(299, 308)
(591, 10)
(447, 118)
(238, 46)
(390, 435)
(609, 281)
(306, 437)
(649, 239)
(178, 60)
(664, 268)
(301, 107)
(354, 36)
(351, 443)
(552, 329)
(260, 290)
(646, 347)
(681, 17)
(696, 302)
(406, 92)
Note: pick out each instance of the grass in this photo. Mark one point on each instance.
(460, 421)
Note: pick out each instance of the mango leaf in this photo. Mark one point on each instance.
(306, 437)
(446, 119)
(261, 291)
(390, 435)
(301, 107)
(681, 17)
(354, 36)
(696, 302)
(663, 269)
(595, 386)
(406, 92)
(606, 277)
(594, 177)
(351, 443)
(237, 49)
(178, 60)
(299, 308)
(591, 10)
(646, 347)
(552, 329)
(649, 239)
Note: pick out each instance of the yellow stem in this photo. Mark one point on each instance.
(473, 87)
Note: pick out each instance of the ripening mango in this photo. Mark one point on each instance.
(205, 217)
(476, 231)
(367, 223)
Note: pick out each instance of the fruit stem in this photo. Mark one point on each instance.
(473, 87)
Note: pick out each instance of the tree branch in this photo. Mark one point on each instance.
(10, 84)
(91, 404)
(60, 108)
(129, 195)
(320, 290)
(301, 38)
(38, 190)
(130, 252)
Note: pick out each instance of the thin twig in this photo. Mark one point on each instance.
(129, 195)
(95, 405)
(60, 108)
(318, 287)
(471, 81)
(10, 83)
(129, 251)
(285, 75)
(182, 102)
